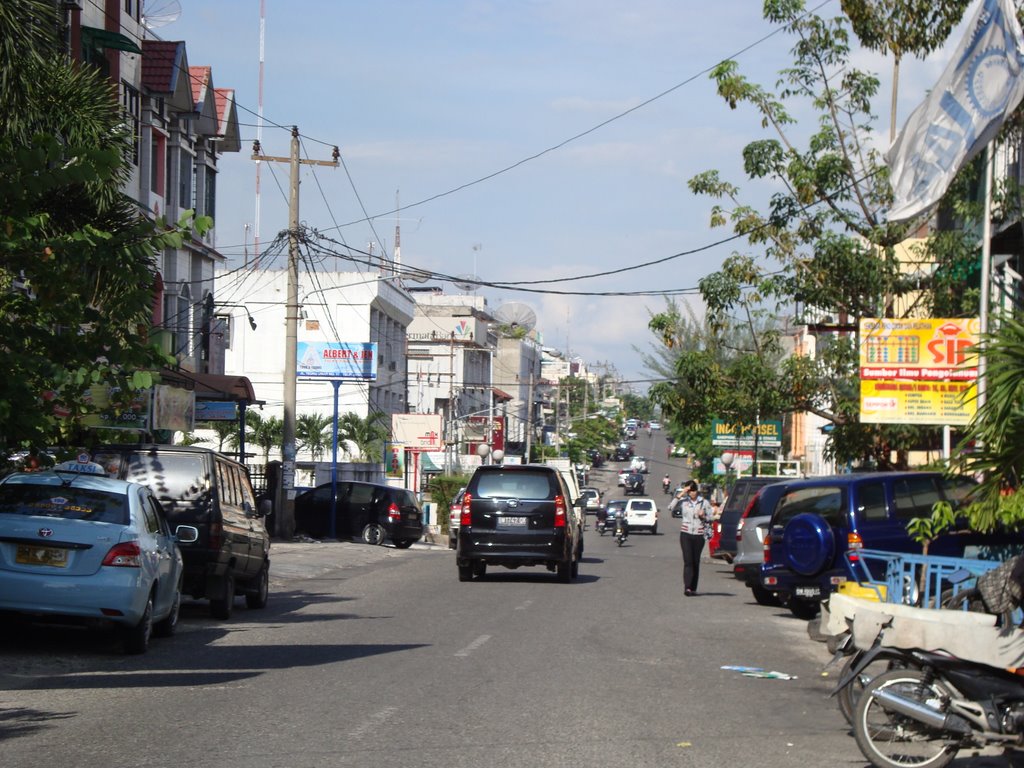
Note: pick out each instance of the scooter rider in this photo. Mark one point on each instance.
(666, 483)
(621, 524)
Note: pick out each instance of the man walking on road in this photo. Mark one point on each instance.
(696, 514)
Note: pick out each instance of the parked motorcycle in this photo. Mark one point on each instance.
(927, 710)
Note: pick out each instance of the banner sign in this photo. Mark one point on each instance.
(417, 431)
(174, 408)
(216, 410)
(133, 416)
(920, 348)
(727, 434)
(336, 360)
(917, 402)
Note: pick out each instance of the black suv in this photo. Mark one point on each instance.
(373, 512)
(517, 515)
(205, 489)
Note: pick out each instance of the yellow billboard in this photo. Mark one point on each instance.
(929, 349)
(917, 402)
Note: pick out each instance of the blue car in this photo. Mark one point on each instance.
(76, 546)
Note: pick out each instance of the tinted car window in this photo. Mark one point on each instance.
(826, 501)
(871, 498)
(644, 505)
(914, 497)
(522, 485)
(170, 476)
(64, 502)
(956, 489)
(362, 493)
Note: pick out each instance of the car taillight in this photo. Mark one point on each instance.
(216, 536)
(768, 548)
(853, 543)
(559, 512)
(464, 516)
(394, 513)
(124, 555)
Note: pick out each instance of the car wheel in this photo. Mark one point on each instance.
(221, 607)
(764, 596)
(466, 572)
(564, 573)
(452, 542)
(167, 625)
(803, 609)
(374, 534)
(654, 530)
(136, 639)
(479, 568)
(257, 597)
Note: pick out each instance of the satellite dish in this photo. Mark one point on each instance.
(159, 13)
(516, 316)
(414, 274)
(467, 282)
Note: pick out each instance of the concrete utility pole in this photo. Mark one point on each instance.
(529, 419)
(285, 503)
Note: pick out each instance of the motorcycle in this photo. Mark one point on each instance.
(602, 522)
(666, 486)
(929, 707)
(621, 529)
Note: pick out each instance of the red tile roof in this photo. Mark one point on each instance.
(225, 98)
(160, 62)
(199, 79)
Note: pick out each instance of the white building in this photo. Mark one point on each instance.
(349, 307)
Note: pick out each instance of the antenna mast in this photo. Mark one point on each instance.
(397, 262)
(259, 133)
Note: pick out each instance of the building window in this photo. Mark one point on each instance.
(132, 106)
(210, 192)
(157, 163)
(185, 180)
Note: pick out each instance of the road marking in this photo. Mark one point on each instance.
(373, 722)
(524, 605)
(474, 645)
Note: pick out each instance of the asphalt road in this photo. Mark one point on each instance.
(380, 657)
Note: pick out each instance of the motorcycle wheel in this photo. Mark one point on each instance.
(891, 740)
(850, 694)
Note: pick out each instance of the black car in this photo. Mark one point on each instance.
(634, 484)
(518, 515)
(373, 512)
(212, 492)
(623, 452)
(596, 457)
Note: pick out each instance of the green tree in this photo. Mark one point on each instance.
(267, 433)
(313, 431)
(226, 434)
(77, 260)
(823, 220)
(367, 434)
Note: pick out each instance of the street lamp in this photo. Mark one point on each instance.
(728, 457)
(483, 450)
(497, 455)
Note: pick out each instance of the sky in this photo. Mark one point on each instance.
(524, 140)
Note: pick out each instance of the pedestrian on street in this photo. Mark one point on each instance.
(696, 520)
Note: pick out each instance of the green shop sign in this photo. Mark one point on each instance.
(730, 434)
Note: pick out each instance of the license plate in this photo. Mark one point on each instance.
(511, 522)
(52, 556)
(808, 592)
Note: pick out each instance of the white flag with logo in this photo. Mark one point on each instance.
(981, 86)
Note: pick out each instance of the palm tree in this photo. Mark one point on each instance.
(227, 432)
(266, 433)
(368, 434)
(311, 429)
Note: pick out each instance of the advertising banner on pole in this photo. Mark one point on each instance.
(918, 370)
(336, 360)
(728, 434)
(417, 431)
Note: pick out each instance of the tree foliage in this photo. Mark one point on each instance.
(77, 260)
(820, 251)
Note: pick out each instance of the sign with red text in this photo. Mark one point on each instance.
(336, 360)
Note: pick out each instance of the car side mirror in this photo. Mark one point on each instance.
(266, 508)
(186, 534)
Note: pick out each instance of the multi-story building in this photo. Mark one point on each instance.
(345, 307)
(181, 124)
(517, 372)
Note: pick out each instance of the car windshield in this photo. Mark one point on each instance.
(613, 505)
(643, 505)
(521, 485)
(69, 503)
(173, 477)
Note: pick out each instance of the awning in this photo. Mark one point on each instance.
(94, 37)
(501, 395)
(427, 464)
(212, 386)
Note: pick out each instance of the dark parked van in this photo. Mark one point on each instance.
(723, 545)
(373, 512)
(816, 521)
(205, 489)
